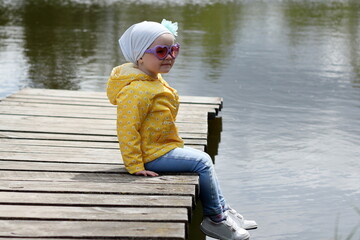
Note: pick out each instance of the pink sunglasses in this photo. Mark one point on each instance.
(162, 51)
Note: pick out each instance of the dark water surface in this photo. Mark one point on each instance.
(289, 72)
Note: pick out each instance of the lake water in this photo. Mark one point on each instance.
(289, 73)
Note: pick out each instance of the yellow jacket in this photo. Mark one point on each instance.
(146, 113)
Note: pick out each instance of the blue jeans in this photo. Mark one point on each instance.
(191, 160)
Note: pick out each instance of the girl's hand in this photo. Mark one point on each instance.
(146, 173)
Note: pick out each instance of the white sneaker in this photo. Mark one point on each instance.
(224, 230)
(240, 220)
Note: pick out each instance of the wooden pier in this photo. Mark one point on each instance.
(62, 176)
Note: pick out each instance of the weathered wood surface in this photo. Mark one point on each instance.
(62, 176)
(217, 101)
(96, 200)
(154, 214)
(94, 177)
(85, 138)
(91, 229)
(99, 187)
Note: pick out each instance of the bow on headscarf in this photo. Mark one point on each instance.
(137, 38)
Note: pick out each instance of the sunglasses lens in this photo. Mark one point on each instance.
(161, 52)
(175, 51)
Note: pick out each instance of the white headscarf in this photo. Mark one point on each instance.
(137, 38)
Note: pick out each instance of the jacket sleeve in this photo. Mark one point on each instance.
(132, 108)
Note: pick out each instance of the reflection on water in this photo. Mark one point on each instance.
(289, 72)
(339, 22)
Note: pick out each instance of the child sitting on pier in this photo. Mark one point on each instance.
(146, 111)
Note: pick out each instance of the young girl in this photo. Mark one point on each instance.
(146, 111)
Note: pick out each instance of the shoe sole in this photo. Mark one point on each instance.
(210, 234)
(251, 228)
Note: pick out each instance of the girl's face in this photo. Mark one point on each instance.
(150, 64)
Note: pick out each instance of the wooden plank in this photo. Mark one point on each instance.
(78, 125)
(88, 111)
(60, 136)
(97, 177)
(61, 167)
(89, 229)
(196, 108)
(217, 101)
(99, 188)
(81, 144)
(155, 214)
(89, 123)
(40, 155)
(63, 93)
(86, 101)
(91, 113)
(58, 154)
(104, 152)
(59, 143)
(87, 138)
(95, 200)
(104, 112)
(101, 153)
(102, 95)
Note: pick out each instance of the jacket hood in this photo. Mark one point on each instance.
(122, 76)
